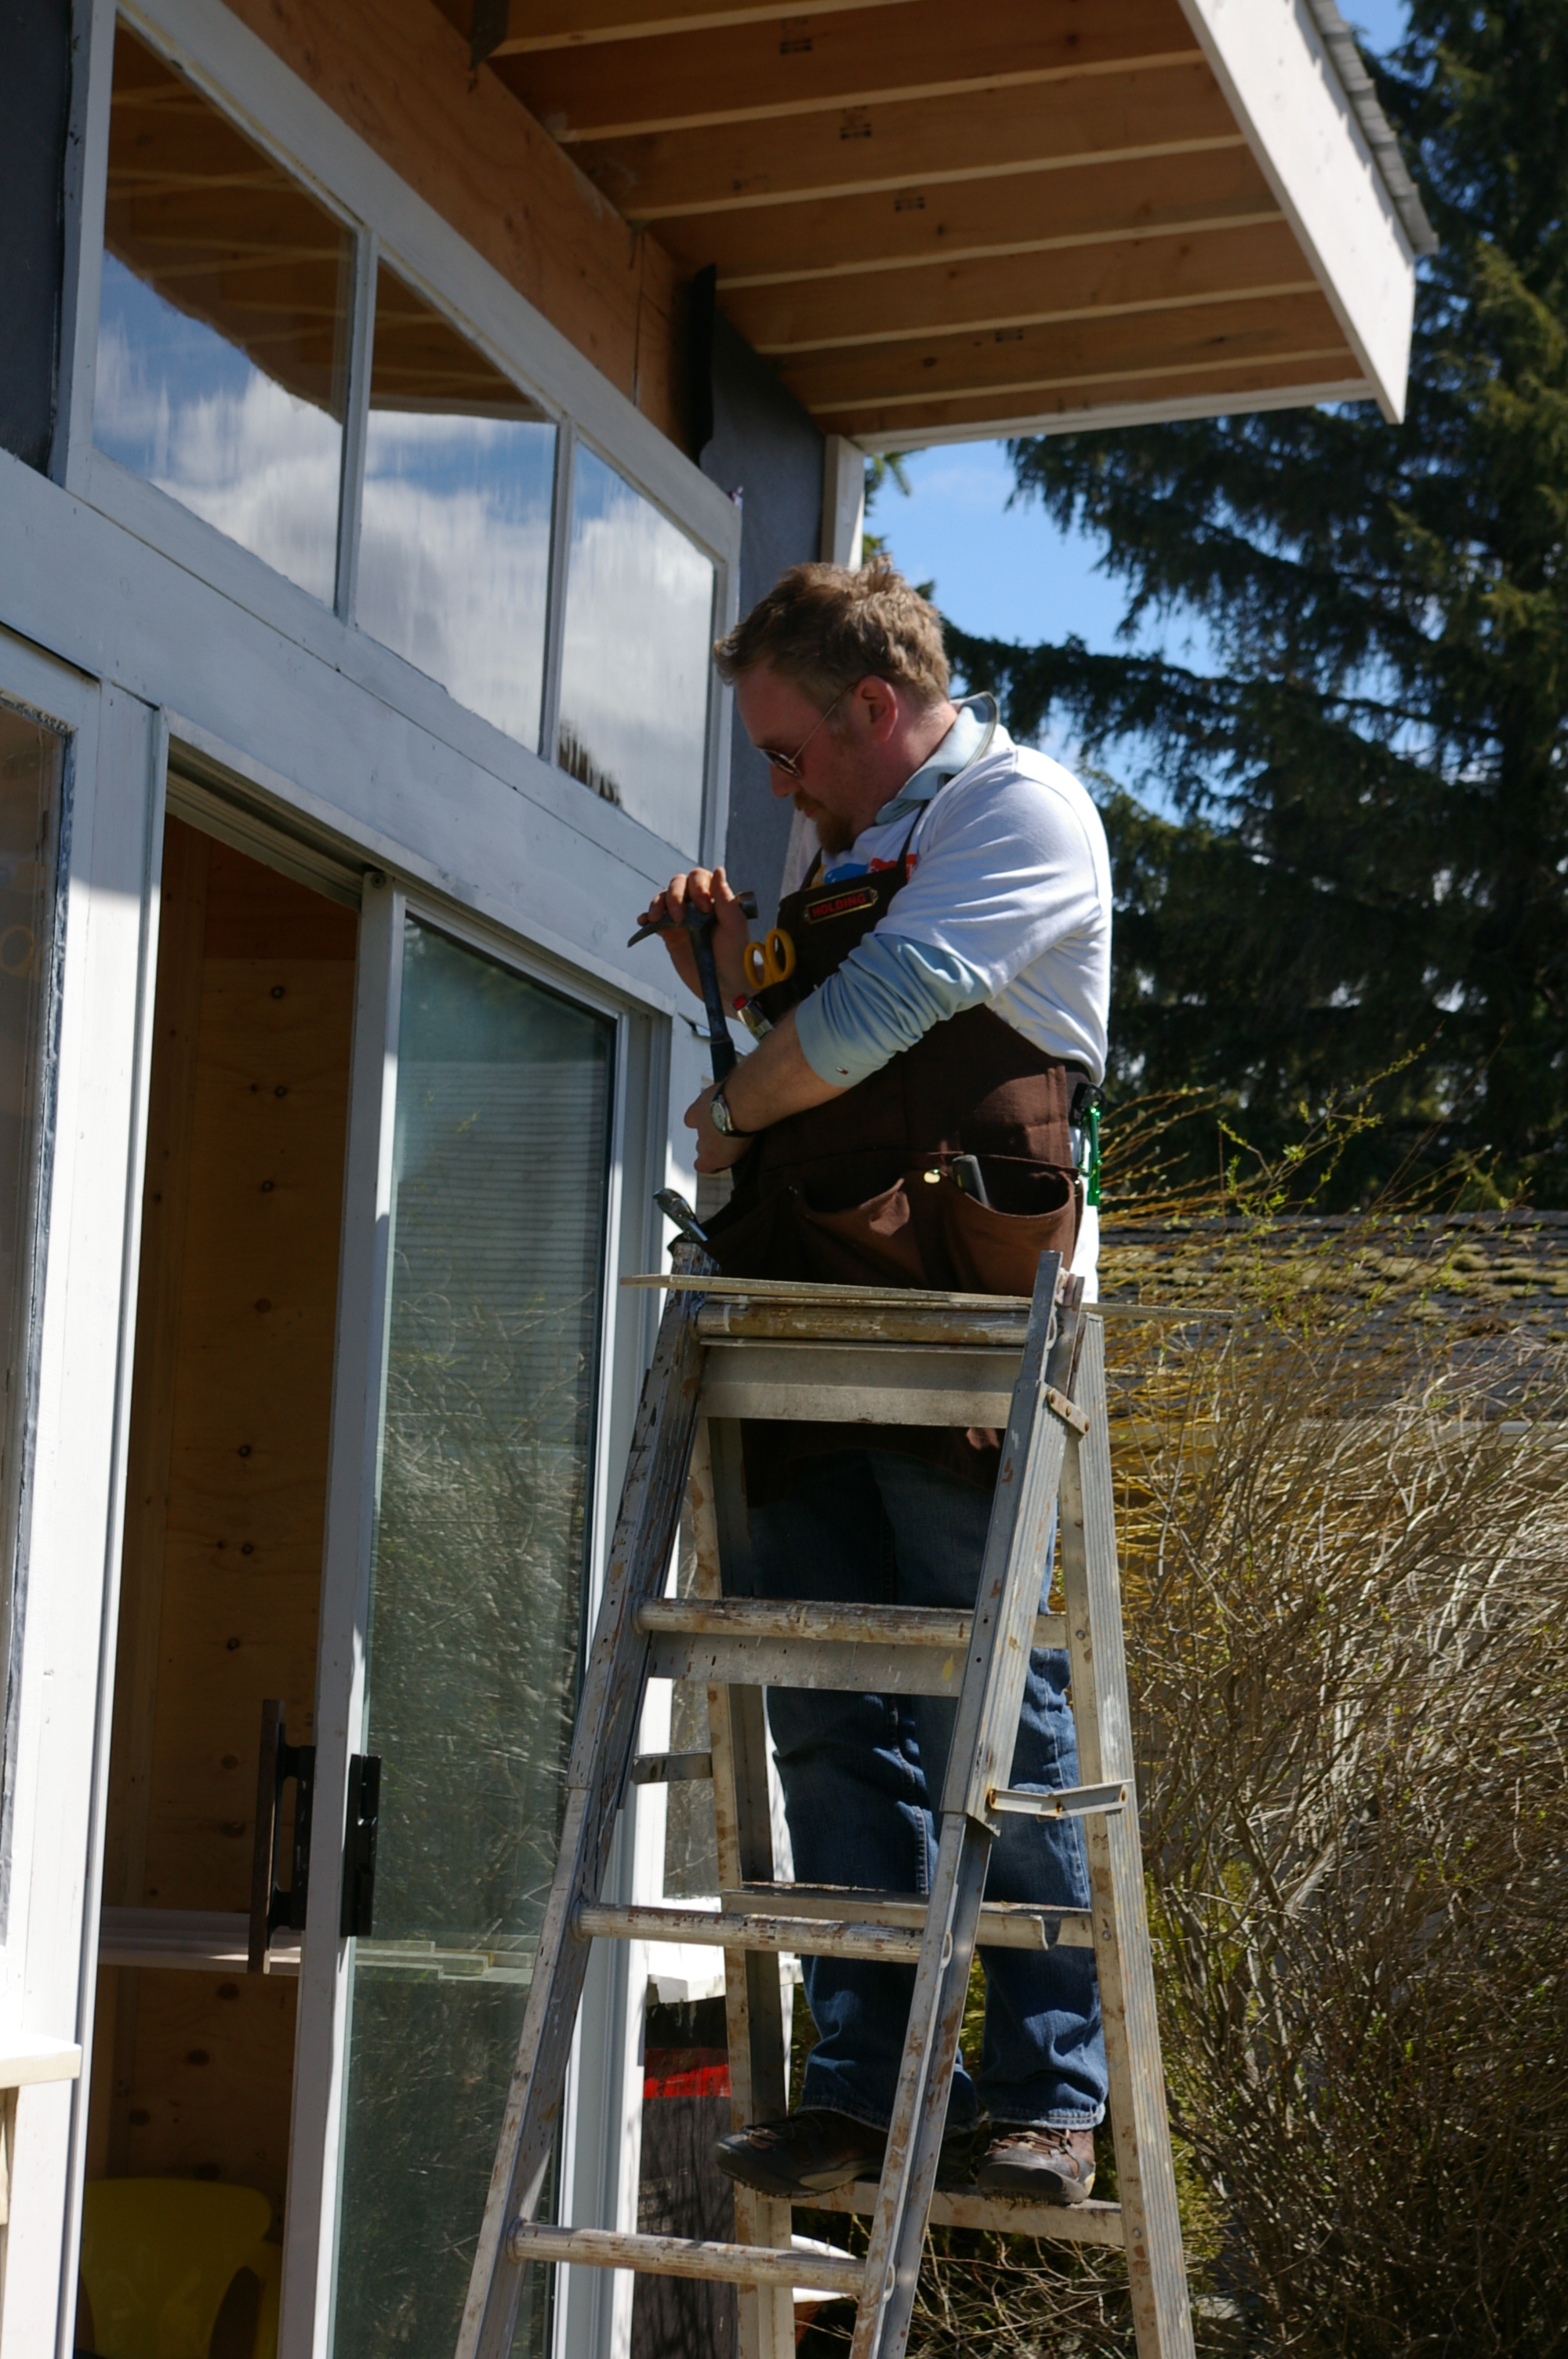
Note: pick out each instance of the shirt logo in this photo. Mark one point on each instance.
(843, 905)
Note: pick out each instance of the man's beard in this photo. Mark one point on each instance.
(833, 834)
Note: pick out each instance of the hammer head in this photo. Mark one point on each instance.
(697, 921)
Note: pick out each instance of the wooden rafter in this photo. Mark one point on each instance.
(952, 367)
(1046, 211)
(565, 24)
(1157, 111)
(1143, 274)
(783, 67)
(1128, 396)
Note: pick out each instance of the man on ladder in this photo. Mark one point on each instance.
(931, 1013)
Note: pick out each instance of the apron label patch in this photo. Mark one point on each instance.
(843, 905)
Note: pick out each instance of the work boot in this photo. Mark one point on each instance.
(814, 2151)
(810, 2153)
(1054, 2166)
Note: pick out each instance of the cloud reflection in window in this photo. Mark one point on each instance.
(635, 669)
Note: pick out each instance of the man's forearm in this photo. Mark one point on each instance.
(775, 1081)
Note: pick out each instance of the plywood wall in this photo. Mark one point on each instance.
(227, 1492)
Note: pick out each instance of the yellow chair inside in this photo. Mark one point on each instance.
(159, 2255)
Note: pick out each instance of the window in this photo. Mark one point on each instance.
(377, 457)
(635, 669)
(476, 1618)
(222, 333)
(32, 768)
(455, 525)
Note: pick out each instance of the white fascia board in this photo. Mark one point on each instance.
(1272, 62)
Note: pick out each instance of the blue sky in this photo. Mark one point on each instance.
(1008, 572)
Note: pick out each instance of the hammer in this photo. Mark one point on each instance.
(720, 1048)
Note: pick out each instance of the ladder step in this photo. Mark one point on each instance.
(811, 1937)
(753, 1318)
(683, 2256)
(671, 1768)
(1004, 1924)
(1004, 2215)
(845, 1928)
(850, 1383)
(1060, 1803)
(794, 1618)
(852, 1650)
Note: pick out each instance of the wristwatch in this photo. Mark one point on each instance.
(724, 1121)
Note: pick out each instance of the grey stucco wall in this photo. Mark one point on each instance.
(764, 446)
(35, 94)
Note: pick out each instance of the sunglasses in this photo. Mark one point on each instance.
(788, 764)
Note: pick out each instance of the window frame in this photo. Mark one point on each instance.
(247, 83)
(67, 718)
(597, 2165)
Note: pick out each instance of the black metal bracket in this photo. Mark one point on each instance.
(492, 23)
(359, 1844)
(272, 1905)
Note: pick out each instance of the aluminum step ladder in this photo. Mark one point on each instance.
(729, 1350)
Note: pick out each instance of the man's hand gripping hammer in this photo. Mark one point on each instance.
(700, 926)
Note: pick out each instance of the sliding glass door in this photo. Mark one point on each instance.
(467, 1624)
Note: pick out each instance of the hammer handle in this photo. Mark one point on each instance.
(720, 1048)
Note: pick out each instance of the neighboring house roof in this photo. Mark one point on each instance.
(941, 223)
(1464, 1275)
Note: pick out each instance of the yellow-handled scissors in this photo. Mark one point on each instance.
(770, 962)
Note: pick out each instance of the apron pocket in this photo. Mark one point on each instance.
(873, 1244)
(998, 1253)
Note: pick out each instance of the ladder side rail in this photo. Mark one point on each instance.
(609, 1711)
(1091, 1580)
(985, 1733)
(738, 1736)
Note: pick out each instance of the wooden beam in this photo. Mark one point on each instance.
(1038, 212)
(1089, 282)
(890, 376)
(1198, 387)
(564, 23)
(1159, 111)
(753, 72)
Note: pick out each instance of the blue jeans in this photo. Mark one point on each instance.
(862, 1772)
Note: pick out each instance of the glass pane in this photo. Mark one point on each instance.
(222, 330)
(502, 1151)
(32, 762)
(455, 533)
(635, 669)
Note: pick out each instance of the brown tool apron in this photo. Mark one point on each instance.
(859, 1190)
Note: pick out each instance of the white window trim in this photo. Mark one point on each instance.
(250, 85)
(599, 2160)
(70, 1521)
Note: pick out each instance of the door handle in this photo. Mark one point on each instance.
(271, 1904)
(359, 1844)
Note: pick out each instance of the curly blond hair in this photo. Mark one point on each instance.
(826, 627)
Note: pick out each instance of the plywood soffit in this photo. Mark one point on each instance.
(938, 222)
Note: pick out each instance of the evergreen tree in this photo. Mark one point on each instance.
(1369, 865)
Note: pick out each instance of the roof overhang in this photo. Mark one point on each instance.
(1026, 216)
